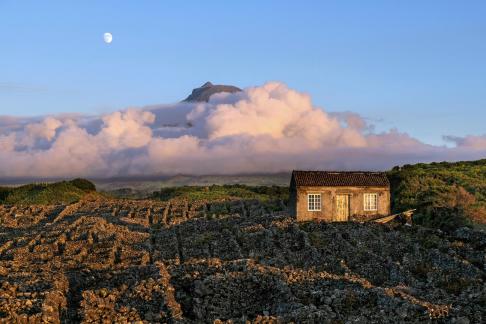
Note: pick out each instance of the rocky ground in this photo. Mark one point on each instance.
(145, 261)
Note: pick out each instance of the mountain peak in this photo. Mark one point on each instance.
(204, 92)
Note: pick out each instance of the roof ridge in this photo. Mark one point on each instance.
(340, 178)
(330, 171)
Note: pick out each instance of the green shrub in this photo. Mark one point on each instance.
(4, 192)
(446, 219)
(446, 195)
(83, 184)
(216, 192)
(64, 192)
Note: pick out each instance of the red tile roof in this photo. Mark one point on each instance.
(340, 178)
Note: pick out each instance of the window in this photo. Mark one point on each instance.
(314, 202)
(370, 201)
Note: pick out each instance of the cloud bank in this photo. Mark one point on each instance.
(270, 128)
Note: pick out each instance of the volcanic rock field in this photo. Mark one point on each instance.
(143, 261)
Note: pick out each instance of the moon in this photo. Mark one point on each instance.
(108, 38)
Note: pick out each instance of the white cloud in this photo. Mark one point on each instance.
(262, 129)
(127, 129)
(44, 130)
(471, 141)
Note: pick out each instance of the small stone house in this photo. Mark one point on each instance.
(339, 196)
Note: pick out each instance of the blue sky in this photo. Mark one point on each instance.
(419, 66)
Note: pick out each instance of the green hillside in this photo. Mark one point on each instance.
(64, 192)
(445, 195)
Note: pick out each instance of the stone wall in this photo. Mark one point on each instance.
(119, 261)
(328, 202)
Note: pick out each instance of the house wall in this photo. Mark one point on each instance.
(328, 202)
(292, 206)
